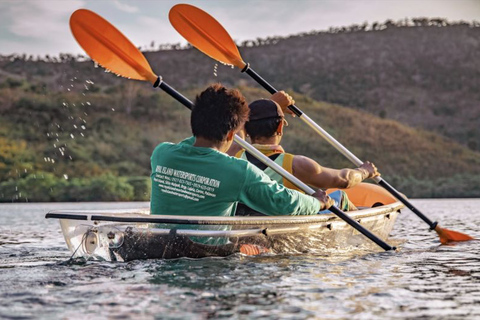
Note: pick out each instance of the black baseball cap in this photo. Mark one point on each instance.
(263, 109)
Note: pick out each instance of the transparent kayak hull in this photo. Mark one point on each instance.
(125, 235)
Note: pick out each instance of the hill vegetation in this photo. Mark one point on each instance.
(64, 137)
(422, 72)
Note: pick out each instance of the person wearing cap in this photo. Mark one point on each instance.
(197, 177)
(265, 129)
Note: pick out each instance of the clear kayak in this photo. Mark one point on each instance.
(124, 235)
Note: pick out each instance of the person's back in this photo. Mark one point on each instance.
(189, 180)
(196, 177)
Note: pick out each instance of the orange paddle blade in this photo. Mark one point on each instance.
(447, 236)
(205, 33)
(109, 47)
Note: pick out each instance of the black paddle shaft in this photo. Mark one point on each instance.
(173, 93)
(361, 229)
(269, 87)
(407, 203)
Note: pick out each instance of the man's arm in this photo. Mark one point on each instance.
(311, 173)
(261, 193)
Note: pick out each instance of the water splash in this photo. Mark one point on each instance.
(215, 69)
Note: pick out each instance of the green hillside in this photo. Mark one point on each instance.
(94, 143)
(71, 132)
(423, 73)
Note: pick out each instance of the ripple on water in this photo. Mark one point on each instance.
(421, 280)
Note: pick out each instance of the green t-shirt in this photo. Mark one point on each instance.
(196, 181)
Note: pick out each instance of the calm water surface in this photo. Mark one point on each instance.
(423, 280)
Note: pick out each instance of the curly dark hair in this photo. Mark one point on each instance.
(263, 128)
(216, 111)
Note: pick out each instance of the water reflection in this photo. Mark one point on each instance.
(421, 280)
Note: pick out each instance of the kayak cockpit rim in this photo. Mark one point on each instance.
(142, 216)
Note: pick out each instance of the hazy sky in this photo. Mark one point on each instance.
(41, 26)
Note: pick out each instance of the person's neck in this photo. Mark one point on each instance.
(221, 146)
(273, 140)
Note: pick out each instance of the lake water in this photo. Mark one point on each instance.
(423, 280)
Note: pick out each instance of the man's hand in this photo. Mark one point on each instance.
(369, 169)
(284, 100)
(325, 201)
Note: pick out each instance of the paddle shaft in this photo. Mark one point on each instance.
(337, 145)
(407, 203)
(278, 169)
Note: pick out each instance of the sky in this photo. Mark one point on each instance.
(41, 27)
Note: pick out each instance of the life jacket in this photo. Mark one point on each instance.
(278, 155)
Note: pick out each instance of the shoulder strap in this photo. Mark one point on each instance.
(239, 153)
(257, 162)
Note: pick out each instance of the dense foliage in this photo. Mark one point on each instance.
(65, 138)
(95, 145)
